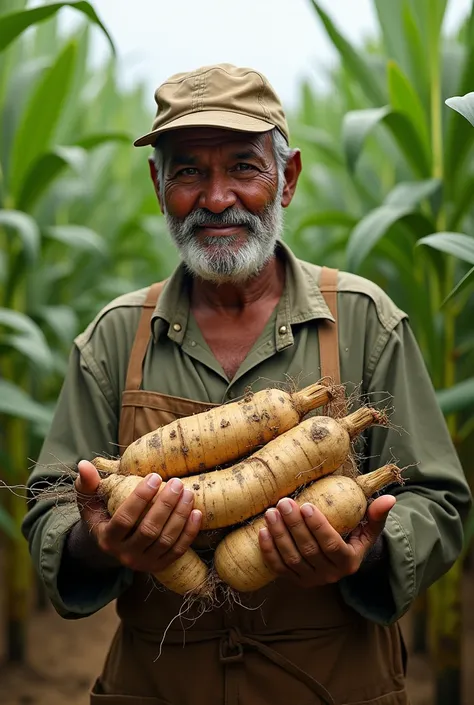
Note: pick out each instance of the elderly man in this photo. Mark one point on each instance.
(241, 310)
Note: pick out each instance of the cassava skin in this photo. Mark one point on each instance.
(188, 574)
(314, 448)
(343, 501)
(218, 436)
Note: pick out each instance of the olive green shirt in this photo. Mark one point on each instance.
(378, 356)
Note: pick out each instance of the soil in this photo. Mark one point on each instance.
(65, 656)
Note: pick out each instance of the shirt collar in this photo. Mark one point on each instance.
(300, 302)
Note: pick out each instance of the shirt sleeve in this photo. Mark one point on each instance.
(84, 424)
(423, 535)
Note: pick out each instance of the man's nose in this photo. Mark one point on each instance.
(217, 195)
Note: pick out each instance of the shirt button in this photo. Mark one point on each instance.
(177, 327)
(193, 343)
(282, 330)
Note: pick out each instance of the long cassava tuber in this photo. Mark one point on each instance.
(218, 436)
(314, 448)
(238, 559)
(188, 574)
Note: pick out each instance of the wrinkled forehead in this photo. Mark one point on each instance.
(195, 139)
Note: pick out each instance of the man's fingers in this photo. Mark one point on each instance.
(332, 545)
(186, 538)
(163, 523)
(270, 555)
(132, 509)
(285, 547)
(305, 542)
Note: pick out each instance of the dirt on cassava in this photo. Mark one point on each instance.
(64, 657)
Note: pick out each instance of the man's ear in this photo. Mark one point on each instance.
(154, 178)
(292, 172)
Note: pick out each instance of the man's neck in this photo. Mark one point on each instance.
(236, 297)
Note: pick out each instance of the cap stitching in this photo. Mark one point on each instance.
(201, 92)
(261, 100)
(195, 87)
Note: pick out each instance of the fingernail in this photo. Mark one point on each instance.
(271, 515)
(307, 510)
(154, 480)
(187, 496)
(285, 506)
(265, 534)
(195, 516)
(176, 485)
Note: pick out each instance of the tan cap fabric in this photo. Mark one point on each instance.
(222, 95)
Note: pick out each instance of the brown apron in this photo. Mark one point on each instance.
(281, 646)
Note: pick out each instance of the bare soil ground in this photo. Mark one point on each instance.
(64, 658)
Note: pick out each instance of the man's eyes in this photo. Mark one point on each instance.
(193, 171)
(188, 171)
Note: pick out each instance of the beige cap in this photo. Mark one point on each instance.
(222, 95)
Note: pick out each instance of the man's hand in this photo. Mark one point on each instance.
(147, 532)
(299, 543)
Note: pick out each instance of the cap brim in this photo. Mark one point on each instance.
(208, 118)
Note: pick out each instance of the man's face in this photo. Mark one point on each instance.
(222, 201)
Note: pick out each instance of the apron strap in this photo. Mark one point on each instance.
(142, 338)
(328, 335)
(237, 641)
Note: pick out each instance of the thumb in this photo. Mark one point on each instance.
(91, 505)
(367, 534)
(88, 479)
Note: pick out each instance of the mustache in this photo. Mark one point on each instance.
(231, 216)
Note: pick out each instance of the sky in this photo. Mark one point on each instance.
(281, 38)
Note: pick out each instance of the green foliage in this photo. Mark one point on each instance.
(387, 190)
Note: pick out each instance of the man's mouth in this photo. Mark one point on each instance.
(220, 230)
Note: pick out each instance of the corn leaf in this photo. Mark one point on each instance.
(26, 228)
(27, 339)
(41, 116)
(13, 24)
(463, 203)
(354, 63)
(411, 193)
(390, 21)
(358, 125)
(464, 283)
(416, 50)
(36, 350)
(62, 320)
(326, 219)
(457, 398)
(7, 525)
(16, 402)
(78, 237)
(321, 140)
(464, 105)
(404, 99)
(22, 80)
(460, 135)
(45, 170)
(3, 267)
(375, 225)
(456, 244)
(96, 140)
